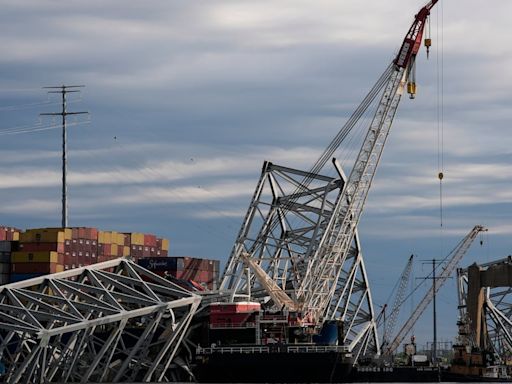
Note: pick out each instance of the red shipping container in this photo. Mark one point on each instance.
(37, 247)
(74, 233)
(107, 249)
(81, 233)
(150, 240)
(69, 259)
(34, 267)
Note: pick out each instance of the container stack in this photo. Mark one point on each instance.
(205, 272)
(112, 245)
(9, 237)
(41, 251)
(146, 245)
(81, 248)
(9, 233)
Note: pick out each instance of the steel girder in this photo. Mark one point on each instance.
(496, 279)
(284, 224)
(108, 322)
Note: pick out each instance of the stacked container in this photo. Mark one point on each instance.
(146, 245)
(9, 233)
(9, 237)
(82, 248)
(41, 251)
(112, 245)
(202, 271)
(48, 250)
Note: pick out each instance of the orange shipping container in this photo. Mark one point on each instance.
(137, 238)
(34, 257)
(43, 235)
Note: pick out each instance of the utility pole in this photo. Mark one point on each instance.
(434, 312)
(64, 90)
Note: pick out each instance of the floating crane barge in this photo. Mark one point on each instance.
(295, 297)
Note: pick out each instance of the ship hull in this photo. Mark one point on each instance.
(279, 366)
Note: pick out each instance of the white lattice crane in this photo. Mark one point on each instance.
(318, 287)
(454, 258)
(300, 232)
(389, 326)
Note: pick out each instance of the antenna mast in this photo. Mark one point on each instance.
(64, 90)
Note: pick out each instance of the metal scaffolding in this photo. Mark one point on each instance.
(108, 322)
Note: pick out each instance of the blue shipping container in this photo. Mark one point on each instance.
(24, 276)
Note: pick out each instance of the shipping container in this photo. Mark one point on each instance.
(165, 245)
(44, 268)
(38, 247)
(29, 257)
(42, 235)
(137, 238)
(149, 240)
(14, 277)
(5, 246)
(5, 268)
(9, 233)
(5, 257)
(158, 263)
(4, 278)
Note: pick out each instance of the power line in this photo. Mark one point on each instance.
(64, 90)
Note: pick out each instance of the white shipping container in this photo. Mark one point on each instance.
(5, 268)
(5, 246)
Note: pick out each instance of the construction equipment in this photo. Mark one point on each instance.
(301, 226)
(318, 286)
(454, 258)
(389, 326)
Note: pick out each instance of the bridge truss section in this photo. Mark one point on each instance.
(496, 313)
(108, 322)
(284, 225)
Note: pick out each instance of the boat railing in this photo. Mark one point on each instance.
(272, 348)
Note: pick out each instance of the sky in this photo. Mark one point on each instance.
(187, 99)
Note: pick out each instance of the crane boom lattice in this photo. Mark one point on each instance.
(456, 256)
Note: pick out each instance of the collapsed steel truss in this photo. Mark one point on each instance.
(108, 322)
(496, 311)
(282, 229)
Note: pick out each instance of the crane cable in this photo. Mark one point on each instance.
(440, 108)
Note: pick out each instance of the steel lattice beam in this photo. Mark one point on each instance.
(108, 322)
(488, 322)
(281, 237)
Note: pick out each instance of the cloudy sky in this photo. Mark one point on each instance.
(187, 98)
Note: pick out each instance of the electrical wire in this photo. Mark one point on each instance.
(36, 128)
